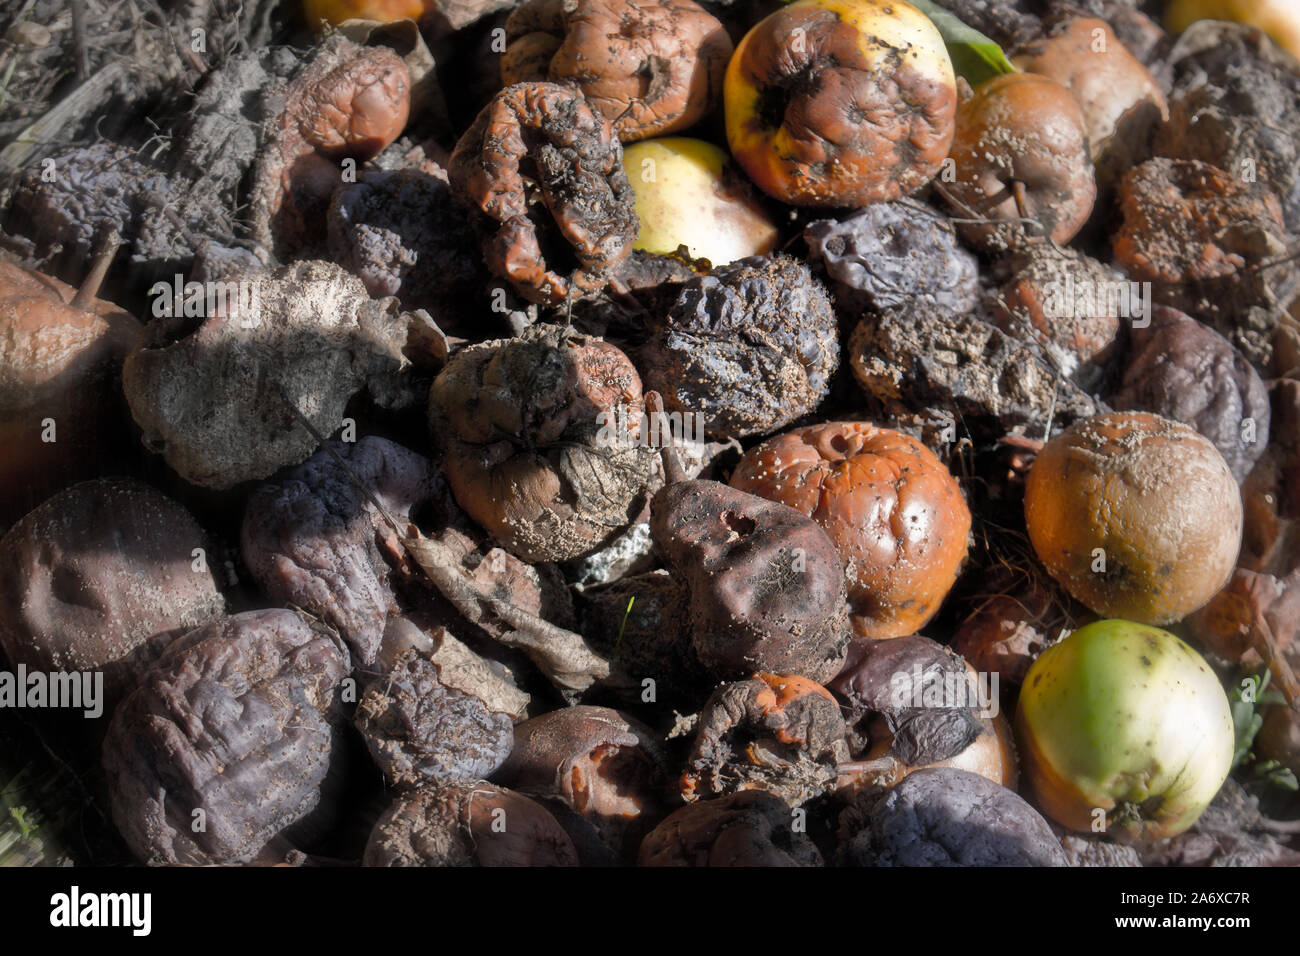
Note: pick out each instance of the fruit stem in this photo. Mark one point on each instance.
(105, 249)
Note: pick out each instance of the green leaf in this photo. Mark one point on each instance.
(1279, 776)
(974, 56)
(1246, 721)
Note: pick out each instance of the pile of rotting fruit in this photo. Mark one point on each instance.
(650, 432)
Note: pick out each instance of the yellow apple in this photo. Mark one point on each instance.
(1280, 19)
(689, 193)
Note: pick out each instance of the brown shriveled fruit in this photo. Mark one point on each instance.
(1230, 624)
(102, 577)
(1181, 369)
(520, 422)
(215, 395)
(1121, 101)
(60, 407)
(924, 359)
(913, 703)
(749, 347)
(608, 768)
(841, 103)
(1234, 101)
(650, 67)
(895, 513)
(1069, 303)
(1199, 234)
(348, 102)
(460, 824)
(421, 722)
(890, 255)
(749, 828)
(941, 816)
(313, 540)
(1020, 152)
(401, 233)
(236, 719)
(766, 584)
(541, 173)
(775, 732)
(1137, 516)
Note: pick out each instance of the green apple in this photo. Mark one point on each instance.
(1123, 726)
(689, 193)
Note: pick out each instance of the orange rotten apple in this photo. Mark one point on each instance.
(894, 511)
(335, 12)
(1021, 153)
(841, 102)
(1135, 515)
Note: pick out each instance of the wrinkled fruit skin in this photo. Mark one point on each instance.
(1052, 298)
(779, 733)
(1236, 100)
(893, 510)
(234, 719)
(750, 347)
(101, 577)
(1155, 497)
(606, 767)
(749, 828)
(311, 539)
(460, 825)
(945, 817)
(766, 584)
(585, 223)
(860, 112)
(888, 255)
(1212, 209)
(107, 186)
(993, 382)
(1181, 369)
(420, 731)
(347, 102)
(312, 334)
(891, 678)
(401, 234)
(1021, 127)
(520, 421)
(650, 67)
(1129, 719)
(1199, 234)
